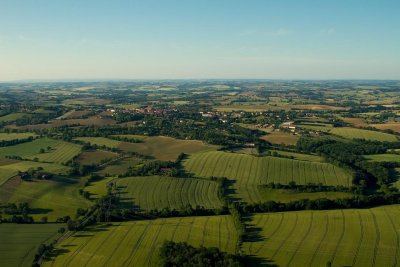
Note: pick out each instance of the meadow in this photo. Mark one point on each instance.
(158, 192)
(352, 133)
(384, 157)
(58, 152)
(249, 171)
(387, 126)
(15, 136)
(9, 170)
(51, 198)
(19, 242)
(367, 237)
(136, 243)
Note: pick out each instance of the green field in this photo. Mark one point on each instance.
(136, 243)
(9, 170)
(15, 136)
(19, 242)
(13, 117)
(249, 171)
(352, 133)
(158, 192)
(100, 141)
(59, 152)
(383, 157)
(52, 198)
(368, 237)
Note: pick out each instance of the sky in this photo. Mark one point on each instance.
(199, 39)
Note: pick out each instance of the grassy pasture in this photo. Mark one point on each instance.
(368, 237)
(281, 138)
(383, 157)
(52, 198)
(352, 133)
(95, 157)
(13, 117)
(136, 243)
(9, 170)
(59, 152)
(249, 171)
(19, 242)
(157, 192)
(100, 141)
(15, 136)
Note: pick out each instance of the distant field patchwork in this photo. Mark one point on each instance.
(136, 243)
(368, 237)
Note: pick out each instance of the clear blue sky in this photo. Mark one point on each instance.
(299, 39)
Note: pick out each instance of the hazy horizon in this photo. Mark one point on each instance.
(224, 40)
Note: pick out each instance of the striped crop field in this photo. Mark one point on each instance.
(249, 171)
(368, 237)
(19, 242)
(157, 192)
(352, 133)
(136, 243)
(100, 141)
(15, 136)
(54, 150)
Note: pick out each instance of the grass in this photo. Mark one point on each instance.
(19, 242)
(352, 133)
(15, 136)
(52, 198)
(249, 171)
(100, 141)
(95, 157)
(282, 195)
(10, 170)
(60, 151)
(157, 192)
(383, 157)
(136, 243)
(367, 237)
(13, 117)
(281, 138)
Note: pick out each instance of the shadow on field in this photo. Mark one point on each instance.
(251, 260)
(126, 202)
(253, 233)
(57, 252)
(230, 191)
(39, 211)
